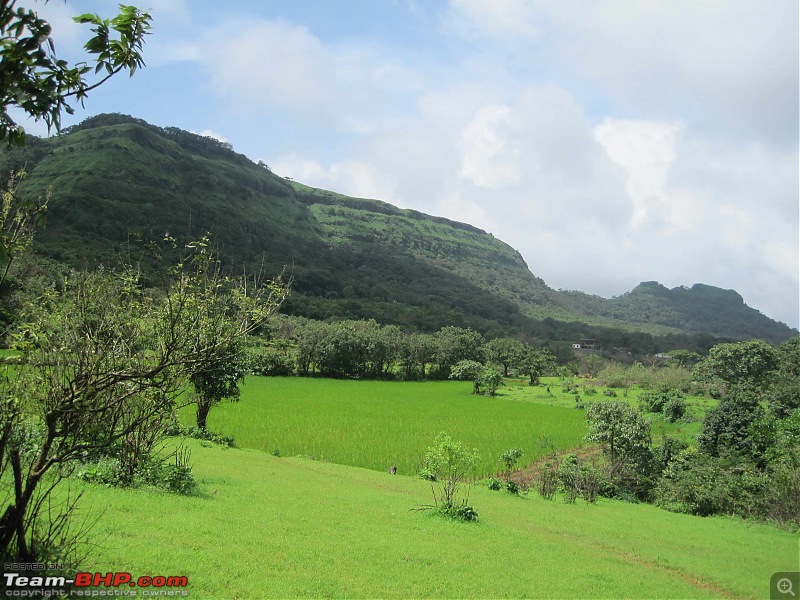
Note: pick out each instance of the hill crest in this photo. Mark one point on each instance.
(352, 257)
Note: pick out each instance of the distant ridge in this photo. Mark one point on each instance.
(115, 175)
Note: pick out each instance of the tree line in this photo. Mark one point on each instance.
(366, 349)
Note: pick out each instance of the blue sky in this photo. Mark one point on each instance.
(611, 142)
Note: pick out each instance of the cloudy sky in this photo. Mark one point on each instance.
(611, 142)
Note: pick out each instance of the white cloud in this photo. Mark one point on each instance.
(213, 134)
(646, 150)
(506, 19)
(489, 157)
(728, 66)
(350, 177)
(276, 67)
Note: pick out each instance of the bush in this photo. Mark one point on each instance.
(105, 471)
(459, 512)
(655, 401)
(173, 477)
(674, 409)
(698, 484)
(512, 487)
(547, 482)
(268, 362)
(449, 464)
(510, 458)
(177, 479)
(200, 433)
(579, 479)
(495, 484)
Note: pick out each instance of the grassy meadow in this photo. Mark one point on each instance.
(267, 527)
(376, 424)
(518, 389)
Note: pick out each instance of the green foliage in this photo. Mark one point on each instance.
(576, 479)
(535, 362)
(505, 352)
(655, 401)
(743, 363)
(455, 344)
(547, 482)
(466, 370)
(510, 459)
(619, 428)
(459, 512)
(495, 484)
(105, 471)
(156, 472)
(684, 358)
(699, 484)
(451, 464)
(675, 408)
(727, 428)
(19, 219)
(490, 380)
(176, 429)
(219, 380)
(40, 84)
(269, 362)
(784, 396)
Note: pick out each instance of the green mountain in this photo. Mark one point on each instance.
(114, 179)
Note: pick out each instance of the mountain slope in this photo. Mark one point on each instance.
(114, 178)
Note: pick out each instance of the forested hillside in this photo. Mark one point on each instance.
(117, 181)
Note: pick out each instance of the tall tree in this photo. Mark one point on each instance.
(749, 363)
(622, 430)
(505, 352)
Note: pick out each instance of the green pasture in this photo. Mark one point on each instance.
(267, 527)
(519, 390)
(376, 424)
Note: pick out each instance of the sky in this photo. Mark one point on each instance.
(610, 142)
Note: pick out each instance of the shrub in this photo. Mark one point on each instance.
(698, 484)
(495, 484)
(268, 362)
(449, 463)
(512, 487)
(460, 512)
(547, 482)
(200, 433)
(105, 471)
(174, 477)
(655, 401)
(674, 409)
(177, 479)
(510, 458)
(578, 479)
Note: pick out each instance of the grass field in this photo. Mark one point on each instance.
(376, 424)
(269, 527)
(521, 391)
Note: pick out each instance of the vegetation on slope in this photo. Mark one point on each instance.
(299, 528)
(115, 179)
